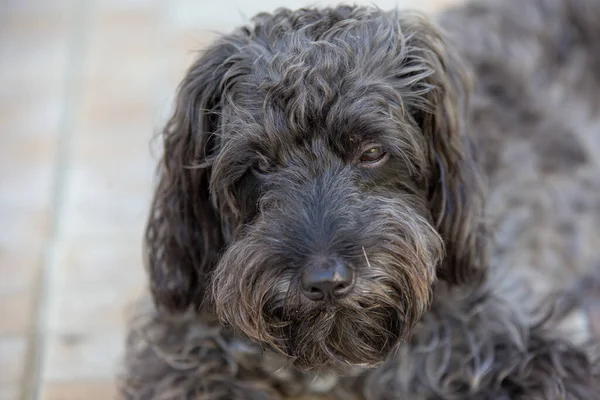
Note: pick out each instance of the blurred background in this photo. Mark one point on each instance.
(84, 87)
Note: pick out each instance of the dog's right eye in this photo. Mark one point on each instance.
(372, 156)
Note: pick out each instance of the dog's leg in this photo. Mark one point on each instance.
(550, 368)
(479, 347)
(189, 358)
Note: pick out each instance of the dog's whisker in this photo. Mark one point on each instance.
(366, 258)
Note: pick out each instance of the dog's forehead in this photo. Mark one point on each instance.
(306, 124)
(340, 113)
(330, 88)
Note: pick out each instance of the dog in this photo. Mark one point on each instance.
(359, 204)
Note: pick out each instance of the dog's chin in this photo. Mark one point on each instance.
(338, 337)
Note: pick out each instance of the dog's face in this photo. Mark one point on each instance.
(315, 184)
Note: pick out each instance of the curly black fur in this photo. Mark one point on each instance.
(262, 173)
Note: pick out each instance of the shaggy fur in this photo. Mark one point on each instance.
(483, 205)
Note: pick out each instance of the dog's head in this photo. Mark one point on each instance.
(316, 182)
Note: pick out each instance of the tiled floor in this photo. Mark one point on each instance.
(83, 87)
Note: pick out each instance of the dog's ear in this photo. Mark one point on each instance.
(183, 234)
(455, 191)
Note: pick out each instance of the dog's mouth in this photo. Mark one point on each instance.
(337, 335)
(269, 304)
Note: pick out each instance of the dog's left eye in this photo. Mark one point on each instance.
(373, 155)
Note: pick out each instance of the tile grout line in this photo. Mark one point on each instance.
(72, 83)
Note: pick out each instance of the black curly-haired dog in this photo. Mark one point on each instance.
(355, 205)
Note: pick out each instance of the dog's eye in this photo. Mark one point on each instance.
(373, 155)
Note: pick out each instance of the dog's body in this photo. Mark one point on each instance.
(535, 121)
(479, 209)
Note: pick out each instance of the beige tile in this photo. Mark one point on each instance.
(16, 312)
(90, 390)
(93, 284)
(34, 113)
(10, 393)
(23, 225)
(12, 362)
(78, 312)
(19, 267)
(25, 200)
(125, 149)
(130, 5)
(112, 261)
(120, 94)
(119, 98)
(183, 47)
(33, 51)
(109, 183)
(26, 169)
(36, 7)
(122, 106)
(131, 34)
(83, 356)
(33, 60)
(22, 24)
(109, 201)
(27, 159)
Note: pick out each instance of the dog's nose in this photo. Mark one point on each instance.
(327, 279)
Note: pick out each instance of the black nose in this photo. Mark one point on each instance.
(327, 279)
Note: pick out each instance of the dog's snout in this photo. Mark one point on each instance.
(327, 279)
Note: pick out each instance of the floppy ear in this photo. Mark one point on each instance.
(183, 234)
(455, 187)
